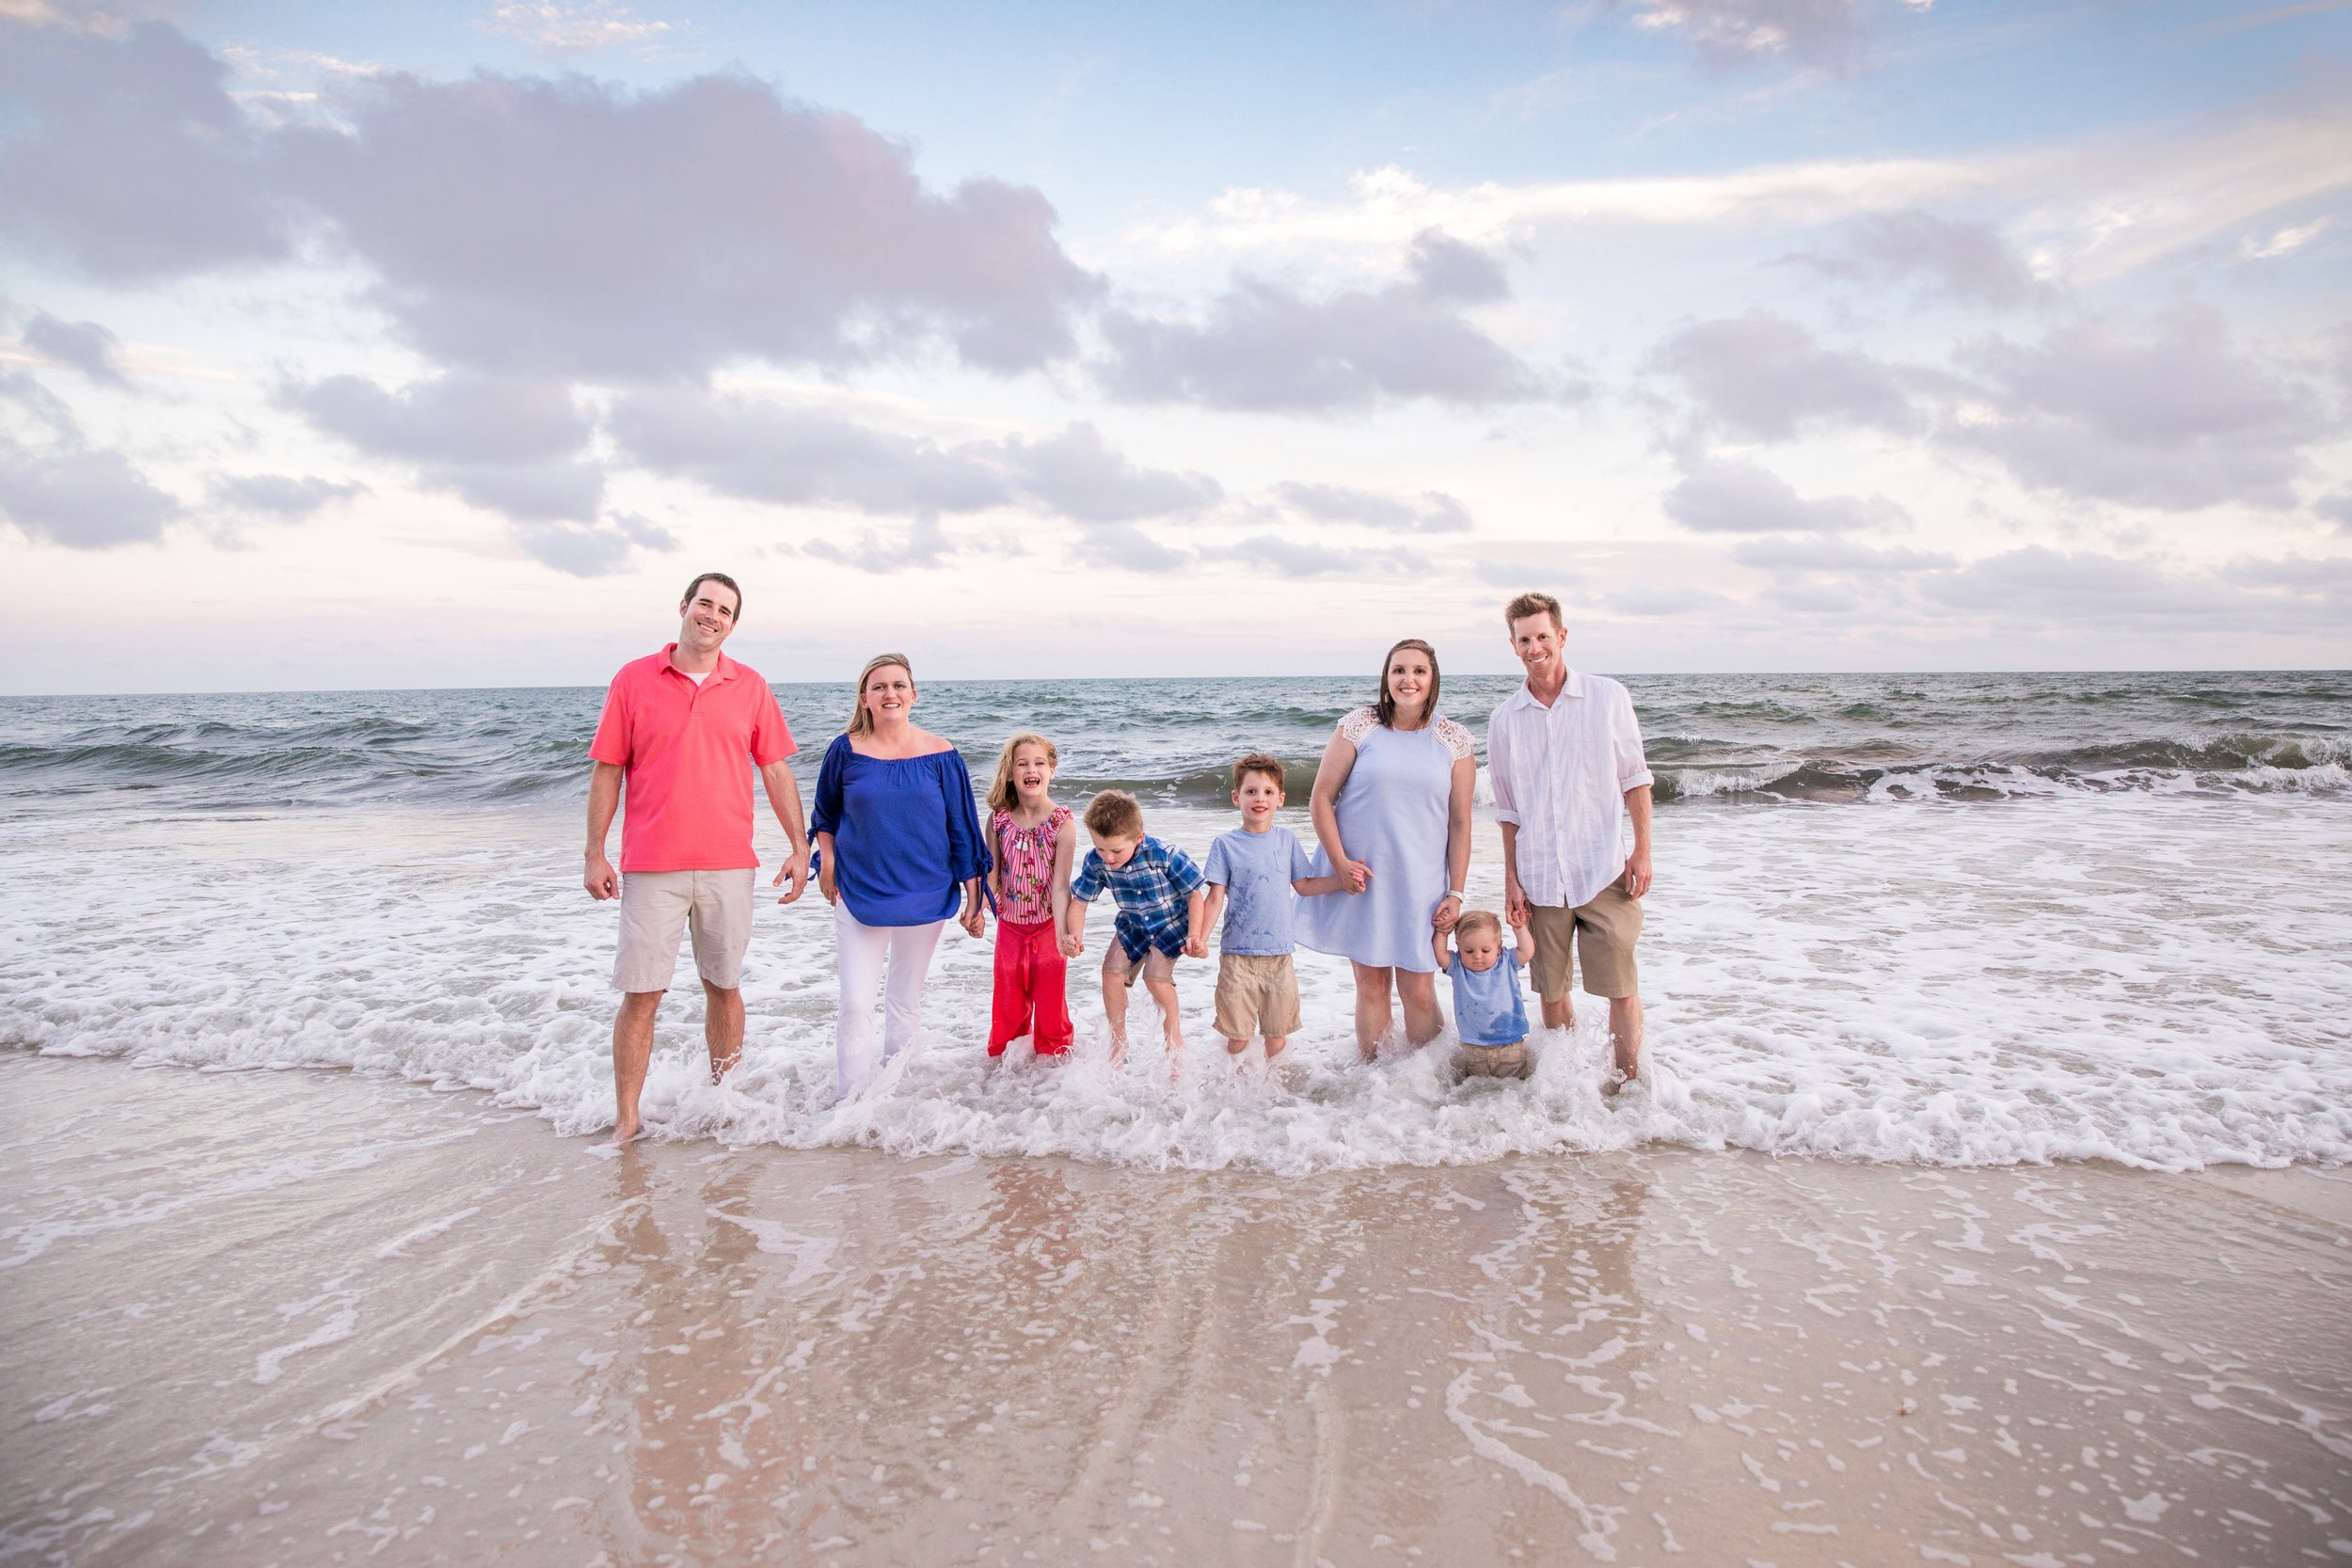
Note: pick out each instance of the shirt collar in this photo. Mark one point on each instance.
(722, 671)
(1572, 686)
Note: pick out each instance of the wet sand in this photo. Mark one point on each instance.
(308, 1318)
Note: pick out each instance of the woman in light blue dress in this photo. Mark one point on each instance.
(1391, 810)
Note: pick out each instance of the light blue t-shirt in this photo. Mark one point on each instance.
(1487, 1009)
(1256, 871)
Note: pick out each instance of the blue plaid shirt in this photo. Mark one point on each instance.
(1151, 888)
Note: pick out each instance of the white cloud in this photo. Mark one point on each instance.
(1740, 498)
(570, 29)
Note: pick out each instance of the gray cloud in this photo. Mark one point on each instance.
(56, 486)
(1971, 263)
(1265, 347)
(1740, 498)
(1833, 555)
(1430, 511)
(591, 549)
(1298, 557)
(570, 227)
(1765, 377)
(2176, 417)
(1127, 547)
(85, 346)
(280, 496)
(125, 157)
(1080, 477)
(505, 443)
(2037, 585)
(1649, 601)
(1727, 32)
(2337, 509)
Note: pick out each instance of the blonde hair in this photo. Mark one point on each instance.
(861, 722)
(1002, 794)
(1478, 920)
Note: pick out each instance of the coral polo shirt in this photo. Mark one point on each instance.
(688, 752)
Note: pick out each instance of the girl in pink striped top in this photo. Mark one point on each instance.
(1033, 840)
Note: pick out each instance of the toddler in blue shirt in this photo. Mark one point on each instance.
(1489, 1013)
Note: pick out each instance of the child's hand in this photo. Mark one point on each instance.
(975, 923)
(1357, 874)
(1197, 947)
(1072, 946)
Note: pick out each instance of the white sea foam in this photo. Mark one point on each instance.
(2153, 981)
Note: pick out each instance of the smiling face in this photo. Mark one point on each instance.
(1117, 849)
(1032, 773)
(1537, 642)
(1481, 949)
(1259, 796)
(888, 694)
(1410, 676)
(705, 618)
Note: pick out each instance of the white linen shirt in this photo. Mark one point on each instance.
(1560, 775)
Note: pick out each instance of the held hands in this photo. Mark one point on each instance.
(1071, 944)
(1449, 910)
(1514, 903)
(1637, 876)
(974, 921)
(1355, 874)
(1195, 947)
(598, 878)
(795, 866)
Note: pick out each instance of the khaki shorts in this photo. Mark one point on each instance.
(1156, 965)
(1256, 992)
(657, 906)
(1492, 1061)
(1604, 932)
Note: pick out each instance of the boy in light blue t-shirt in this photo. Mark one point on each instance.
(1489, 1014)
(1252, 872)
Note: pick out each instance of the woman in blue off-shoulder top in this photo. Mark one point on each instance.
(900, 842)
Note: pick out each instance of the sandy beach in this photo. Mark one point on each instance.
(308, 1318)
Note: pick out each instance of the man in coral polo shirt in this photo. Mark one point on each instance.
(682, 730)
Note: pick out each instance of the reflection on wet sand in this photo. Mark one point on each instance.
(488, 1344)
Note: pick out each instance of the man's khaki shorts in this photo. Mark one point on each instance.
(1604, 932)
(1255, 994)
(1492, 1061)
(657, 906)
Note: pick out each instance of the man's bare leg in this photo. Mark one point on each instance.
(1559, 1012)
(632, 1048)
(1371, 1010)
(1417, 992)
(723, 1028)
(1625, 1036)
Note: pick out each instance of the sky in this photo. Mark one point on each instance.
(441, 344)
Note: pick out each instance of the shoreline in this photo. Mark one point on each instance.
(298, 1317)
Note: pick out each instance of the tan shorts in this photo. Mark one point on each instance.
(1156, 965)
(657, 906)
(1256, 992)
(1492, 1061)
(1604, 932)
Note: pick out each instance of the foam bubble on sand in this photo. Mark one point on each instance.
(2151, 981)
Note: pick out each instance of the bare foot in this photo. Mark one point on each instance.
(624, 1131)
(1119, 1051)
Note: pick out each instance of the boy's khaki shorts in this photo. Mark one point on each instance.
(1604, 931)
(1492, 1061)
(1256, 992)
(658, 907)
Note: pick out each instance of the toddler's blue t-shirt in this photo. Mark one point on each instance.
(1488, 1009)
(1256, 871)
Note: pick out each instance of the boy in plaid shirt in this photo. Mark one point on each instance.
(1160, 897)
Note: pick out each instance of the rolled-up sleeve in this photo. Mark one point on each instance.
(1624, 736)
(1499, 768)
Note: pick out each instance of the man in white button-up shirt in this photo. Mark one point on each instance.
(1563, 750)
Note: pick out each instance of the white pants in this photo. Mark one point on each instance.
(859, 954)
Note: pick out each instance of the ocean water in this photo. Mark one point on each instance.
(1938, 919)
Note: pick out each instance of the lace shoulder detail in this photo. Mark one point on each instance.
(1358, 724)
(1457, 739)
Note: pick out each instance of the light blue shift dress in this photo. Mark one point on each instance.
(1392, 817)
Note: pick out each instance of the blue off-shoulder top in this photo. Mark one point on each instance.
(906, 836)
